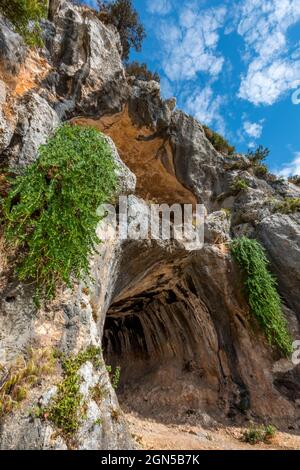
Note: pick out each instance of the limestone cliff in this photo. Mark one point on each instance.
(175, 320)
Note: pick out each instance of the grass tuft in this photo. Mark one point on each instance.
(22, 375)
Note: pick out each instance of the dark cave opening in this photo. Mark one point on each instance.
(121, 332)
(133, 335)
(168, 350)
(154, 339)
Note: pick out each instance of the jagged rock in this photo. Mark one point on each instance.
(285, 189)
(217, 228)
(250, 206)
(197, 164)
(12, 48)
(36, 122)
(6, 127)
(89, 70)
(71, 323)
(146, 106)
(182, 320)
(280, 235)
(175, 319)
(127, 179)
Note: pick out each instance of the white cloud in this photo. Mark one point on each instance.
(189, 51)
(253, 129)
(273, 68)
(265, 83)
(291, 168)
(251, 145)
(190, 45)
(206, 107)
(160, 7)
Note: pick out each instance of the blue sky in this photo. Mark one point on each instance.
(234, 65)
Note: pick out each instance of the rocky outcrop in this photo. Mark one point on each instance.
(175, 319)
(12, 48)
(280, 234)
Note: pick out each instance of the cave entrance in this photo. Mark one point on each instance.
(154, 339)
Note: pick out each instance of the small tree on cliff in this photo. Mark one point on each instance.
(125, 18)
(141, 72)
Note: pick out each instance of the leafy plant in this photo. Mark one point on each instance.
(260, 171)
(227, 212)
(25, 16)
(67, 408)
(141, 72)
(258, 155)
(289, 205)
(125, 18)
(114, 377)
(219, 143)
(239, 185)
(255, 434)
(50, 213)
(256, 158)
(260, 285)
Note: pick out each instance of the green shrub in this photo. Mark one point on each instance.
(256, 158)
(125, 18)
(263, 297)
(25, 16)
(289, 205)
(141, 72)
(227, 212)
(239, 185)
(50, 213)
(260, 171)
(258, 155)
(219, 143)
(255, 434)
(114, 376)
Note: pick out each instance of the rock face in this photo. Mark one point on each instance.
(280, 235)
(174, 319)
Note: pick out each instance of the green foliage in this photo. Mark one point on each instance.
(258, 155)
(227, 212)
(25, 16)
(114, 376)
(219, 143)
(289, 205)
(239, 185)
(141, 72)
(50, 213)
(255, 434)
(263, 297)
(67, 409)
(125, 18)
(294, 180)
(261, 171)
(256, 158)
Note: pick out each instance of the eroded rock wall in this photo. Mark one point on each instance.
(175, 320)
